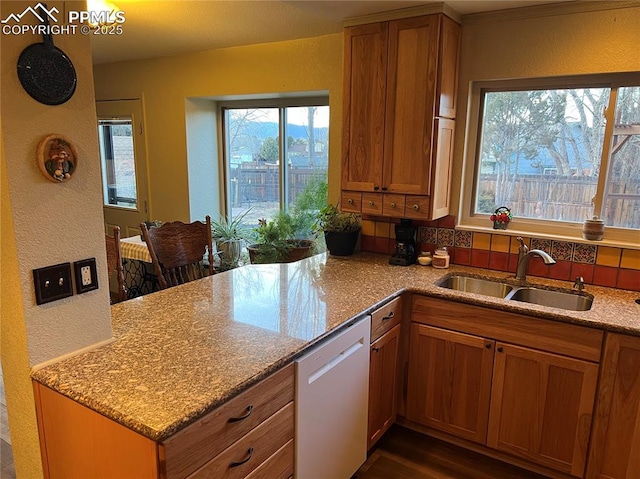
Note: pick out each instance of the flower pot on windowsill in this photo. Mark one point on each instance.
(296, 250)
(499, 226)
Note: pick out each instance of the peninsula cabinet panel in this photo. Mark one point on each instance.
(382, 384)
(449, 383)
(615, 444)
(541, 407)
(365, 83)
(77, 442)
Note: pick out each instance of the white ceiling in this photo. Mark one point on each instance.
(162, 28)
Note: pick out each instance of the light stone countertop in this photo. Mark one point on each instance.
(182, 352)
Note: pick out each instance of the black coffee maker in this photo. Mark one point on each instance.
(405, 253)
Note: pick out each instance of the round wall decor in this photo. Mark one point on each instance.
(57, 158)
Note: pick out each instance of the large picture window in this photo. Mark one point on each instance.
(274, 154)
(556, 152)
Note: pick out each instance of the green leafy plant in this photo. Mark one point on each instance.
(229, 237)
(277, 237)
(331, 219)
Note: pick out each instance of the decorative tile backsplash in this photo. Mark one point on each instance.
(599, 265)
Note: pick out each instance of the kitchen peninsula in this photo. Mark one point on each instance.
(183, 352)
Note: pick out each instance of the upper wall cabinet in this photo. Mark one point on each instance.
(399, 116)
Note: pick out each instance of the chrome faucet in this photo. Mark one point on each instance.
(524, 255)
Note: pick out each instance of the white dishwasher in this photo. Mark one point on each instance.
(332, 389)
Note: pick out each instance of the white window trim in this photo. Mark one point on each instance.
(556, 230)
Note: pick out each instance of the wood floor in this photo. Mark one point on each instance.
(405, 454)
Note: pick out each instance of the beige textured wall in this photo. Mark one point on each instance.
(44, 223)
(311, 64)
(549, 45)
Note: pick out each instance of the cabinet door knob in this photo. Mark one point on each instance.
(500, 349)
(488, 345)
(350, 201)
(392, 204)
(375, 350)
(384, 188)
(376, 187)
(416, 207)
(370, 203)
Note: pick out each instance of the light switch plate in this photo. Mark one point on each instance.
(86, 275)
(52, 283)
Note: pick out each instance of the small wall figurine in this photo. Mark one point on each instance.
(57, 158)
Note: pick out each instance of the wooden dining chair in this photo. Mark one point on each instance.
(177, 251)
(114, 262)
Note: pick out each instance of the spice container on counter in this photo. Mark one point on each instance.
(425, 258)
(593, 229)
(440, 258)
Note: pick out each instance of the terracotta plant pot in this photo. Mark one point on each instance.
(301, 249)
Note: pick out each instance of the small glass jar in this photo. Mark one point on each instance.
(425, 258)
(441, 258)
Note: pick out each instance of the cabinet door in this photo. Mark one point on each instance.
(411, 86)
(382, 383)
(615, 445)
(541, 407)
(449, 383)
(441, 175)
(449, 58)
(365, 79)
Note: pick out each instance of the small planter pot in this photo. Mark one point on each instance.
(341, 243)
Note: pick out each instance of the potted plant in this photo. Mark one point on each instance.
(281, 240)
(340, 229)
(229, 237)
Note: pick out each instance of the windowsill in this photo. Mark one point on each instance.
(554, 237)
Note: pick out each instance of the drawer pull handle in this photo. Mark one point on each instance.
(248, 413)
(416, 207)
(393, 205)
(240, 463)
(388, 317)
(350, 201)
(370, 203)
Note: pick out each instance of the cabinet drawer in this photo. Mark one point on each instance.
(372, 203)
(393, 205)
(416, 207)
(351, 201)
(245, 455)
(385, 318)
(278, 466)
(198, 443)
(561, 338)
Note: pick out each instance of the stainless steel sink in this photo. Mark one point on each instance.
(552, 299)
(526, 294)
(476, 285)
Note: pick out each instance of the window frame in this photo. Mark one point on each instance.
(264, 102)
(551, 229)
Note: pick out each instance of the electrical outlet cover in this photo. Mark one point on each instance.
(86, 275)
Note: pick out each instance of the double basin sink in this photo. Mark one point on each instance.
(569, 300)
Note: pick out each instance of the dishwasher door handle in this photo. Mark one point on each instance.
(337, 359)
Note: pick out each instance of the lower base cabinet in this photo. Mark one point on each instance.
(382, 384)
(505, 381)
(250, 436)
(615, 443)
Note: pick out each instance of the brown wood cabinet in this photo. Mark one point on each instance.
(525, 385)
(252, 432)
(382, 384)
(449, 383)
(400, 80)
(541, 407)
(615, 443)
